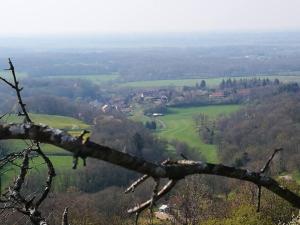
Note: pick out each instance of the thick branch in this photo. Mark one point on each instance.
(177, 170)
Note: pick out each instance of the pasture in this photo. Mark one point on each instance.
(61, 122)
(97, 79)
(61, 159)
(296, 176)
(37, 165)
(180, 125)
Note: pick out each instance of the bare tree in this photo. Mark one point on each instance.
(12, 197)
(81, 147)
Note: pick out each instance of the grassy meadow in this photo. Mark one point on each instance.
(296, 176)
(61, 159)
(61, 164)
(97, 78)
(61, 122)
(180, 125)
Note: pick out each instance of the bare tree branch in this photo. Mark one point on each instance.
(2, 116)
(7, 82)
(166, 189)
(15, 86)
(141, 180)
(262, 171)
(65, 217)
(14, 198)
(176, 170)
(267, 165)
(51, 175)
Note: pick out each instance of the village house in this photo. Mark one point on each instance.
(244, 92)
(218, 94)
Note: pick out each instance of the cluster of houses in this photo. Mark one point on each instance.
(155, 96)
(125, 104)
(162, 96)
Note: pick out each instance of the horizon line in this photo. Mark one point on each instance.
(147, 33)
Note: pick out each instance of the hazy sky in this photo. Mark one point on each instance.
(31, 17)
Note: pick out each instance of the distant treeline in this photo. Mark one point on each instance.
(163, 63)
(229, 91)
(247, 83)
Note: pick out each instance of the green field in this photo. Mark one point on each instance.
(61, 122)
(61, 159)
(69, 124)
(211, 82)
(97, 79)
(180, 125)
(61, 162)
(296, 176)
(37, 165)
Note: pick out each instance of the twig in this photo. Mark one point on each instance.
(18, 90)
(267, 165)
(262, 171)
(65, 217)
(168, 187)
(51, 175)
(142, 179)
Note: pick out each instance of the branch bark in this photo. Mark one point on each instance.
(65, 217)
(174, 171)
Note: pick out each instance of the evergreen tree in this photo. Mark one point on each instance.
(203, 84)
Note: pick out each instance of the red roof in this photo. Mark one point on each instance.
(244, 91)
(218, 94)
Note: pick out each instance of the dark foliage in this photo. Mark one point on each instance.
(270, 122)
